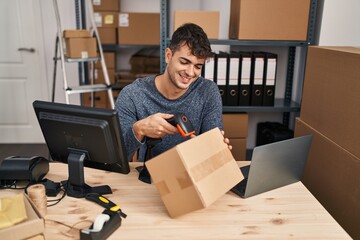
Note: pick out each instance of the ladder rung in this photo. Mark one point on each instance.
(87, 88)
(82, 59)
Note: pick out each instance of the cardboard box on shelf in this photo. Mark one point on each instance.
(331, 174)
(99, 76)
(106, 19)
(79, 44)
(145, 61)
(238, 148)
(98, 99)
(235, 125)
(33, 226)
(107, 35)
(208, 20)
(132, 29)
(106, 5)
(110, 61)
(195, 173)
(330, 101)
(78, 33)
(80, 47)
(269, 19)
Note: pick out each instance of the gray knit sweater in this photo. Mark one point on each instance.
(201, 104)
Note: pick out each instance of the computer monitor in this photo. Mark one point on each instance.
(82, 136)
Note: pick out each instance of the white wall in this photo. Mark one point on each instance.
(340, 23)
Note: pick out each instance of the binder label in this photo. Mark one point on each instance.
(234, 71)
(221, 72)
(259, 71)
(209, 68)
(271, 71)
(245, 71)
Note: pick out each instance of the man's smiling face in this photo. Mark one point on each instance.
(183, 68)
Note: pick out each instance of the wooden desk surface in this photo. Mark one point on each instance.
(287, 212)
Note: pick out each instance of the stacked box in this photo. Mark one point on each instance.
(101, 99)
(106, 5)
(137, 28)
(145, 61)
(269, 19)
(79, 44)
(330, 112)
(106, 14)
(236, 129)
(208, 20)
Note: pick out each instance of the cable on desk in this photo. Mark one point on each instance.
(56, 200)
(11, 184)
(71, 228)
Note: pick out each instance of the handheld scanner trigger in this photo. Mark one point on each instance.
(182, 123)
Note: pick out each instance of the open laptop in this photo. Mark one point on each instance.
(274, 165)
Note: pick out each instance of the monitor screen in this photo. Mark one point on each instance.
(82, 136)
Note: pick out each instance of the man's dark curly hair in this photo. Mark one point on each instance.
(194, 37)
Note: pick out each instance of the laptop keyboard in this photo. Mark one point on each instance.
(239, 188)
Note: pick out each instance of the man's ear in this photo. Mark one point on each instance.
(168, 55)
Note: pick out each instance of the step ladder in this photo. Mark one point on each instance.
(60, 46)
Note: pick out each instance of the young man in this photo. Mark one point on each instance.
(144, 105)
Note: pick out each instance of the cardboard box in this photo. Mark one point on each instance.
(76, 34)
(208, 20)
(99, 76)
(110, 61)
(80, 47)
(195, 173)
(101, 99)
(107, 35)
(106, 5)
(139, 28)
(106, 19)
(235, 125)
(238, 148)
(330, 101)
(332, 175)
(31, 227)
(269, 19)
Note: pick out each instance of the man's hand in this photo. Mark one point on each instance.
(226, 140)
(154, 126)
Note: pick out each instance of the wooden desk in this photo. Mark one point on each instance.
(287, 212)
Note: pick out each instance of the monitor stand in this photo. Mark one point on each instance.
(75, 185)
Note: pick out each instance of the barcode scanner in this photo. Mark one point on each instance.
(182, 123)
(185, 128)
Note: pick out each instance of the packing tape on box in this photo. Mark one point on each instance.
(199, 171)
(37, 194)
(210, 165)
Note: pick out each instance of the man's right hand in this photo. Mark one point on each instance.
(154, 126)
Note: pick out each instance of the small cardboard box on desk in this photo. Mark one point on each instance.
(195, 173)
(33, 227)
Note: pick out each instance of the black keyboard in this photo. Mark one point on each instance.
(239, 188)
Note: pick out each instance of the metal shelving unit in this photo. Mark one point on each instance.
(284, 105)
(115, 47)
